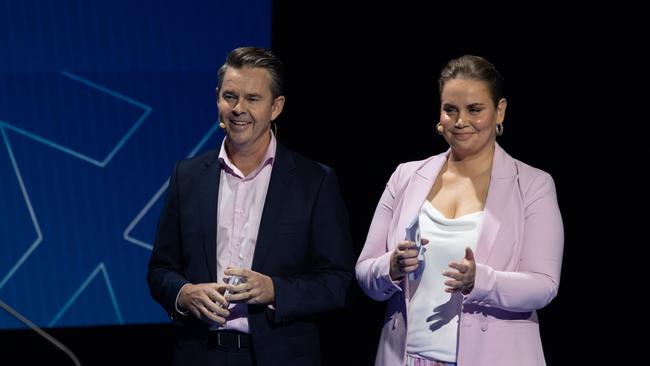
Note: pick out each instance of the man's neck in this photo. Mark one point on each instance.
(248, 158)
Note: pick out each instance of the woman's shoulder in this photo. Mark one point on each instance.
(520, 168)
(529, 173)
(530, 178)
(406, 170)
(414, 165)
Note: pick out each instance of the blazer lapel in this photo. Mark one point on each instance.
(499, 193)
(417, 192)
(414, 196)
(209, 193)
(491, 222)
(279, 187)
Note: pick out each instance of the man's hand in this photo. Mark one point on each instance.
(205, 301)
(254, 288)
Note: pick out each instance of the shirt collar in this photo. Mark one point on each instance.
(229, 166)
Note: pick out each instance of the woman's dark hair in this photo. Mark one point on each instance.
(475, 68)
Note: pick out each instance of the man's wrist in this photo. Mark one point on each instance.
(179, 309)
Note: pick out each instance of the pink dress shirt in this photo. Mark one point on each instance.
(241, 201)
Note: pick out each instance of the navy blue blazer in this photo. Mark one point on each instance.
(303, 244)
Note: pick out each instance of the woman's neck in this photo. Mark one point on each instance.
(471, 165)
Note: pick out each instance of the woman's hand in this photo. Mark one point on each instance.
(464, 274)
(404, 259)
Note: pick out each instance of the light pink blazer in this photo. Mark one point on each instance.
(518, 261)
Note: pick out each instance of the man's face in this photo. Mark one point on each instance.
(247, 107)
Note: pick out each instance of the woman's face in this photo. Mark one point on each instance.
(468, 116)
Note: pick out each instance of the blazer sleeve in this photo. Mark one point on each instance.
(373, 265)
(164, 272)
(536, 279)
(324, 285)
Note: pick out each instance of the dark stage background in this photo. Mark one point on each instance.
(362, 97)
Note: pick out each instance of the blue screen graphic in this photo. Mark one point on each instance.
(98, 99)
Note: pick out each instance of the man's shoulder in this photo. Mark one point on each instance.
(199, 161)
(304, 165)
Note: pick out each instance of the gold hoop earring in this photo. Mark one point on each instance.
(499, 129)
(439, 129)
(222, 125)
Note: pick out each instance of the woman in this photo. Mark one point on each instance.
(491, 247)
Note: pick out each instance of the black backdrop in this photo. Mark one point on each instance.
(362, 97)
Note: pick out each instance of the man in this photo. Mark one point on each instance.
(257, 213)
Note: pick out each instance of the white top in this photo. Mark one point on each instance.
(433, 314)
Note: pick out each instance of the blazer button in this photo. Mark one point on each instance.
(484, 326)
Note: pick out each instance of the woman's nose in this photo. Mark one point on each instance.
(462, 121)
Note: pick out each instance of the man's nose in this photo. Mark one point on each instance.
(239, 107)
